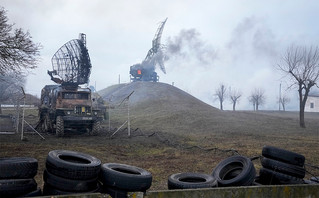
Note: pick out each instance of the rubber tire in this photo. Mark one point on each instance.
(18, 168)
(315, 179)
(235, 171)
(73, 165)
(190, 181)
(125, 177)
(35, 193)
(96, 128)
(16, 187)
(283, 155)
(64, 184)
(49, 190)
(282, 167)
(270, 177)
(114, 192)
(59, 126)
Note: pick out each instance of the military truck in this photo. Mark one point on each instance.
(68, 107)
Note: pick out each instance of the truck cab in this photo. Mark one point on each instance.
(70, 107)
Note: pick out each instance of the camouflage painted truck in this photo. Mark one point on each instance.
(68, 107)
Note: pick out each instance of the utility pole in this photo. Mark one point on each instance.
(279, 96)
(22, 124)
(128, 115)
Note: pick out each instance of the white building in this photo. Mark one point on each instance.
(312, 104)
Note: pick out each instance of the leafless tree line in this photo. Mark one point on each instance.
(257, 97)
(301, 65)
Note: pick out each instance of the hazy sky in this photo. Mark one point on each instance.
(235, 42)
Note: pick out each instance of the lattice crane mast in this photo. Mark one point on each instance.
(145, 71)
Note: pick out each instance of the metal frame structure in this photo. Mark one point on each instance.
(71, 63)
(145, 71)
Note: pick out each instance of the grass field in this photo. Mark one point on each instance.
(177, 142)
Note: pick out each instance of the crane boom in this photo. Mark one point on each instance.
(145, 71)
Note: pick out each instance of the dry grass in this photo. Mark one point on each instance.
(177, 133)
(168, 151)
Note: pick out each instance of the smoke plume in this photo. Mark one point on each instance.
(188, 45)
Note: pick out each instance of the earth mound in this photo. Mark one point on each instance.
(160, 106)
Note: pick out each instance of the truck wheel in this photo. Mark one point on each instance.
(96, 128)
(59, 126)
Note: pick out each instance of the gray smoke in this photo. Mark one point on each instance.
(253, 34)
(188, 45)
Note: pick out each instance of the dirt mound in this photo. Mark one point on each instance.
(160, 106)
(157, 96)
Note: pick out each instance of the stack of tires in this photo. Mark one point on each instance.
(280, 166)
(17, 177)
(235, 171)
(118, 179)
(70, 172)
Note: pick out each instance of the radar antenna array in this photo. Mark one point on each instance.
(145, 71)
(71, 63)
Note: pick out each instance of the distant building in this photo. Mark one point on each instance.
(312, 104)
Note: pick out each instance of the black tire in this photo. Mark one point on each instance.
(125, 177)
(35, 193)
(190, 181)
(96, 128)
(315, 179)
(306, 181)
(114, 192)
(49, 190)
(235, 171)
(283, 155)
(282, 167)
(64, 184)
(16, 187)
(257, 181)
(73, 165)
(268, 177)
(59, 126)
(18, 168)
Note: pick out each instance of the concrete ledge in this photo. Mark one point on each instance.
(270, 191)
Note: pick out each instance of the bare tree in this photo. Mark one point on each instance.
(301, 64)
(257, 98)
(283, 101)
(220, 93)
(17, 50)
(10, 86)
(234, 96)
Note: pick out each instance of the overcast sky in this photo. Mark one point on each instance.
(234, 42)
